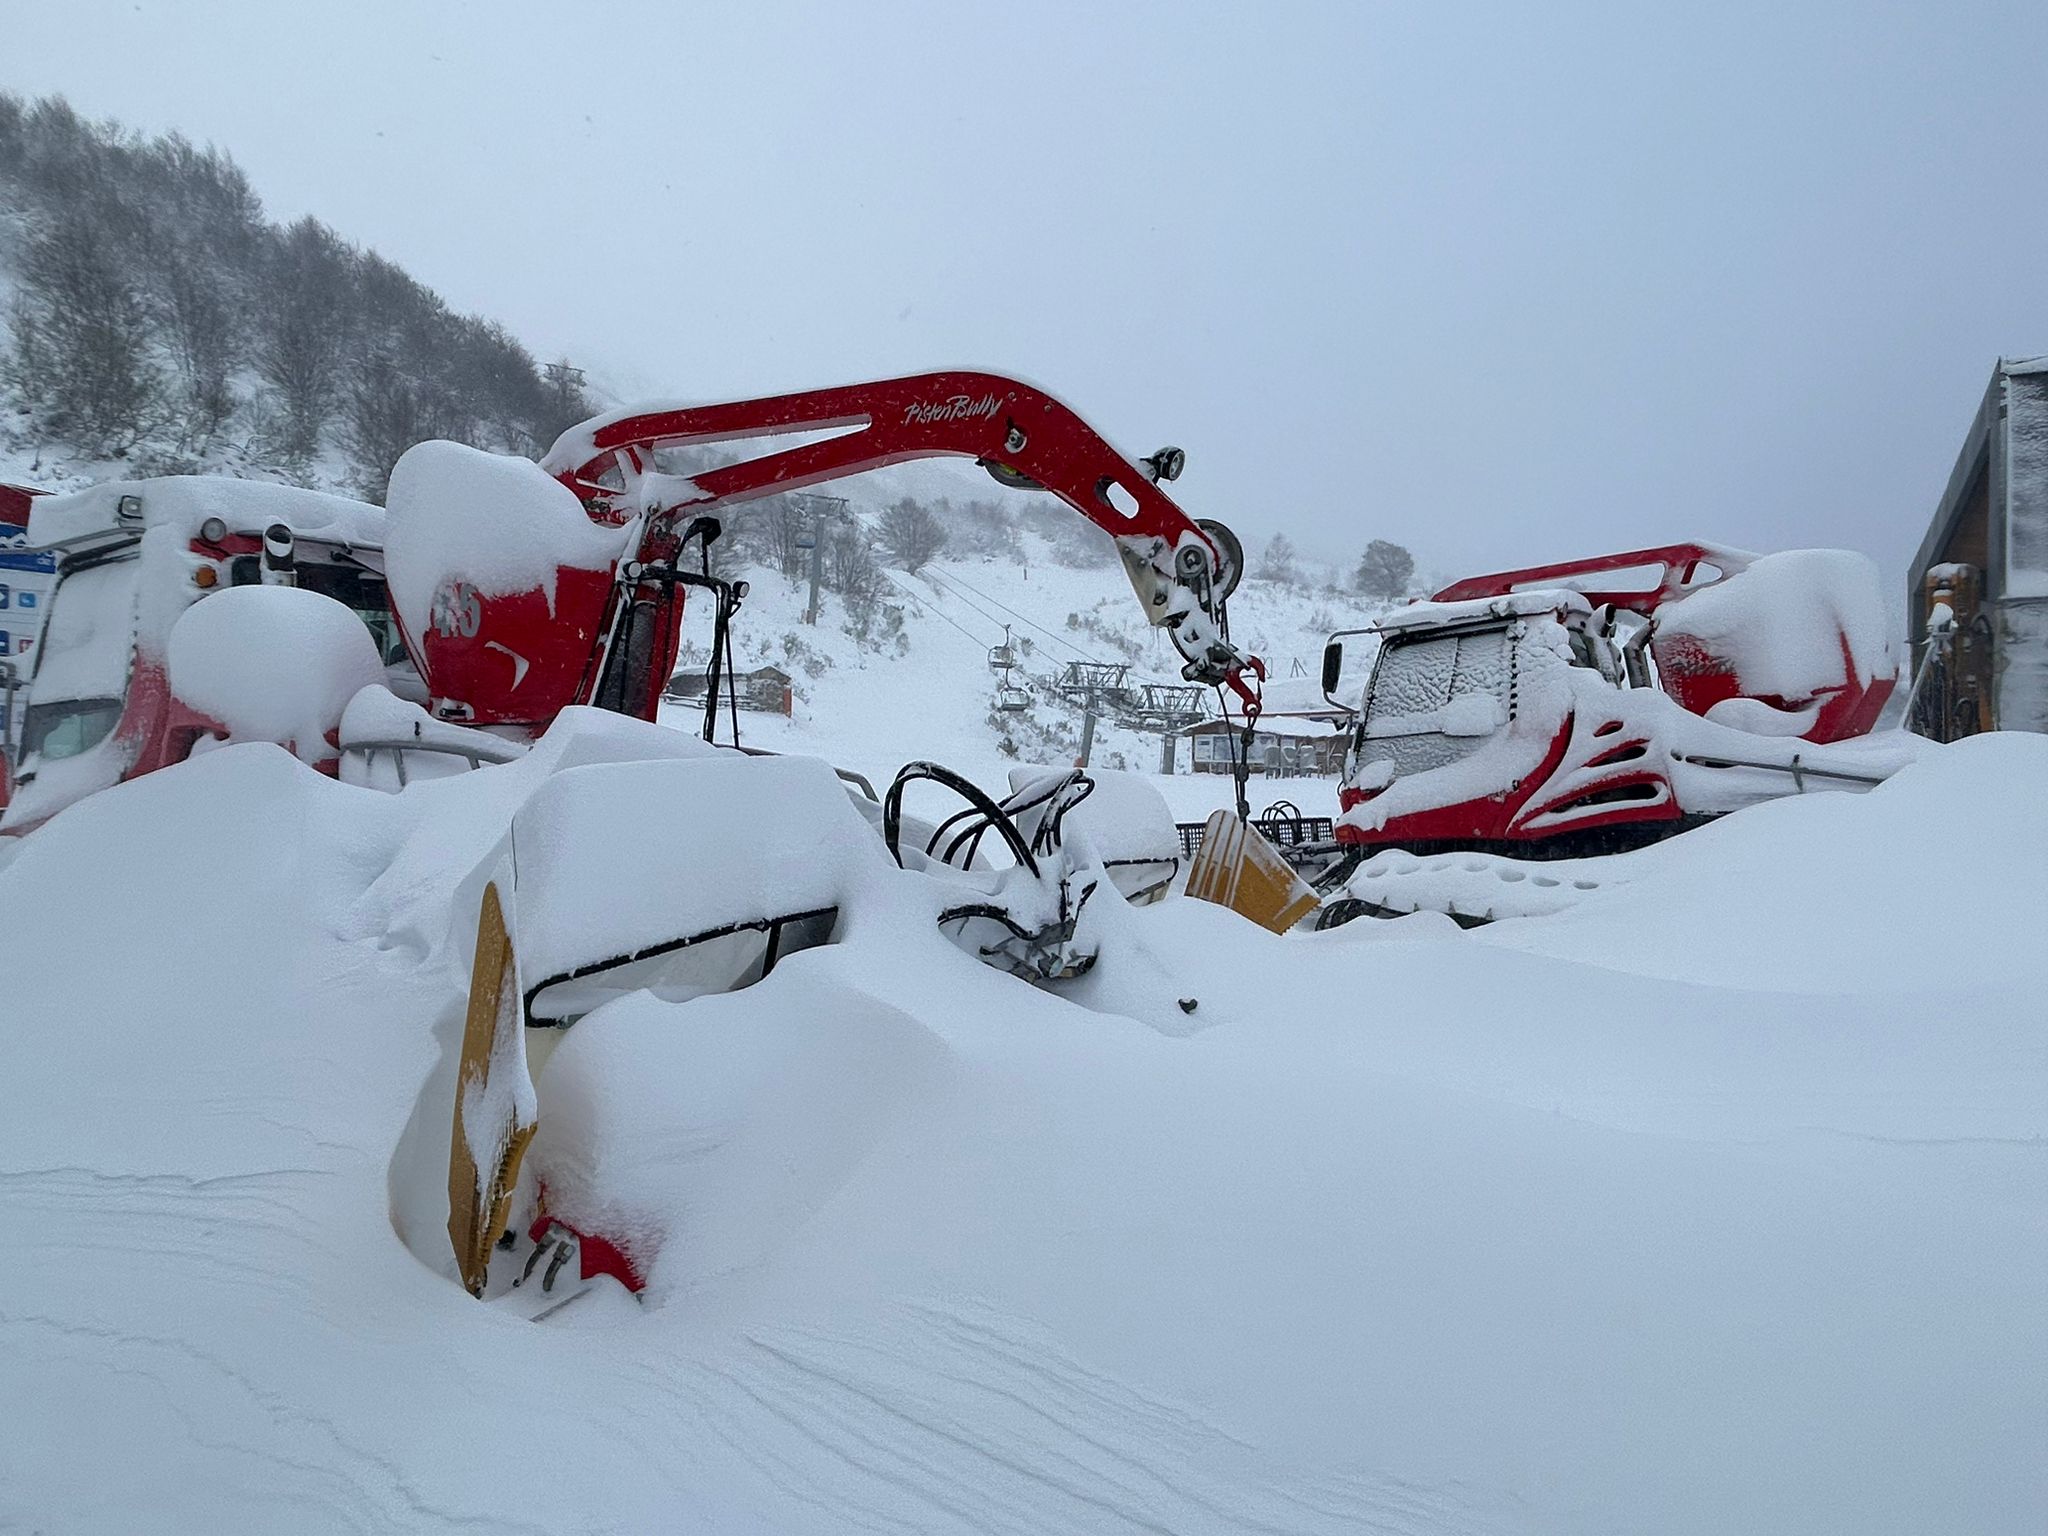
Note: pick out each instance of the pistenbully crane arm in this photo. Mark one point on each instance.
(1182, 570)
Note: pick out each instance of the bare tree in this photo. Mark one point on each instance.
(82, 347)
(1278, 562)
(161, 279)
(201, 334)
(562, 401)
(850, 566)
(384, 414)
(303, 338)
(1384, 570)
(783, 529)
(979, 528)
(912, 534)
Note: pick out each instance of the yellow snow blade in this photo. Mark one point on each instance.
(490, 1086)
(1238, 869)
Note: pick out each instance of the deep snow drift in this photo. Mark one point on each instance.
(1712, 1200)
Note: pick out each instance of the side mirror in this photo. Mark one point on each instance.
(1333, 666)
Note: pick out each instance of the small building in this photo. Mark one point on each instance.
(1981, 574)
(1281, 747)
(765, 689)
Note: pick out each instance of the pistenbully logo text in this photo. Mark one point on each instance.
(958, 408)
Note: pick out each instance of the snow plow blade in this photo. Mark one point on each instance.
(493, 1102)
(1238, 869)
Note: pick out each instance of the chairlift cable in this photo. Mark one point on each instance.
(935, 613)
(1049, 634)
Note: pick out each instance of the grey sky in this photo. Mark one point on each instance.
(1506, 282)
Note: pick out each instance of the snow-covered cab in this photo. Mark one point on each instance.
(1562, 706)
(105, 699)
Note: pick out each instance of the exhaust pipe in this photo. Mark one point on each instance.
(280, 565)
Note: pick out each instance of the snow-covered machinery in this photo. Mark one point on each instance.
(610, 532)
(735, 864)
(576, 592)
(494, 598)
(1599, 704)
(25, 579)
(133, 674)
(514, 590)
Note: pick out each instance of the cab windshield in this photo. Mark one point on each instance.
(67, 727)
(357, 589)
(1416, 679)
(81, 677)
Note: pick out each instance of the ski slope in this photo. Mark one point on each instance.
(871, 707)
(1710, 1201)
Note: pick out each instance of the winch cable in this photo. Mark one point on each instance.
(1241, 766)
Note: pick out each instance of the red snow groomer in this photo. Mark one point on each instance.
(1596, 705)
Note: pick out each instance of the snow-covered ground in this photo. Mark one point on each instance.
(1712, 1200)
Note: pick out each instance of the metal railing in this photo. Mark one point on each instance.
(1283, 832)
(476, 754)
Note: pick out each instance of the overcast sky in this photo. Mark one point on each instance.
(1504, 282)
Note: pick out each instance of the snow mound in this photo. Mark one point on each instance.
(1834, 893)
(1123, 818)
(497, 522)
(1673, 1211)
(1758, 718)
(700, 845)
(458, 824)
(1785, 621)
(780, 1090)
(273, 664)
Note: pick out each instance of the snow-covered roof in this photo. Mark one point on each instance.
(184, 502)
(1293, 728)
(1512, 605)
